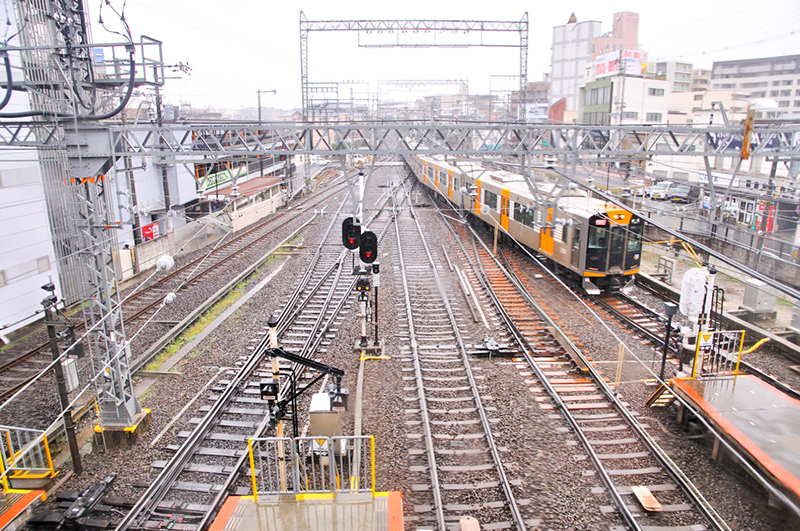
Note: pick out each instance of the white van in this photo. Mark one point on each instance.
(660, 190)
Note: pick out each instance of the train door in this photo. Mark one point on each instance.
(576, 247)
(450, 184)
(546, 239)
(425, 171)
(633, 252)
(597, 244)
(616, 252)
(436, 176)
(478, 197)
(504, 204)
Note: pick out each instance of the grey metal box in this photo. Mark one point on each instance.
(758, 297)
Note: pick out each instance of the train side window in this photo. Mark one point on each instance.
(564, 233)
(490, 199)
(598, 238)
(519, 213)
(576, 238)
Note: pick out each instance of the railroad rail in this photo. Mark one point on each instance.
(305, 324)
(648, 323)
(454, 420)
(624, 455)
(139, 307)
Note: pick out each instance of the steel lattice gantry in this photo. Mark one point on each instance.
(194, 142)
(68, 81)
(400, 27)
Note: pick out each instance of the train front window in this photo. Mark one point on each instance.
(617, 239)
(598, 238)
(635, 238)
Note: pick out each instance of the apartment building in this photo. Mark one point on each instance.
(776, 78)
(572, 46)
(677, 73)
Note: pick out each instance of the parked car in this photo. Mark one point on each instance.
(636, 186)
(659, 191)
(683, 194)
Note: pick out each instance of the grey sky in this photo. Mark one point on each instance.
(238, 46)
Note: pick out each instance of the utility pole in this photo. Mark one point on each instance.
(49, 304)
(160, 122)
(260, 157)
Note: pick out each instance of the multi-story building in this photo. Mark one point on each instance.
(619, 92)
(678, 74)
(776, 78)
(701, 79)
(707, 106)
(624, 35)
(536, 101)
(572, 46)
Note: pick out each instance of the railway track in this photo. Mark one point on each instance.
(459, 469)
(188, 491)
(636, 474)
(25, 363)
(647, 323)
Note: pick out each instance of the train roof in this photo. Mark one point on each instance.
(573, 200)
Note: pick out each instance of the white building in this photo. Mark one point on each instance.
(777, 78)
(677, 73)
(27, 260)
(621, 93)
(572, 44)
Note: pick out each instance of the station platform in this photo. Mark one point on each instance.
(759, 421)
(16, 508)
(312, 512)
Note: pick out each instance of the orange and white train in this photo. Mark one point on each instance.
(599, 242)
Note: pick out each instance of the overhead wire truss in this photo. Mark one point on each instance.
(190, 143)
(399, 27)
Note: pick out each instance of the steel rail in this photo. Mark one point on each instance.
(494, 451)
(5, 394)
(526, 350)
(750, 368)
(704, 508)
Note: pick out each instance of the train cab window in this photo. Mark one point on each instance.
(617, 239)
(635, 238)
(598, 238)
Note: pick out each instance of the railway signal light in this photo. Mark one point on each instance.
(362, 284)
(269, 389)
(351, 233)
(338, 398)
(369, 247)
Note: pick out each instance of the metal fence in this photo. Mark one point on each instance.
(25, 454)
(718, 353)
(282, 465)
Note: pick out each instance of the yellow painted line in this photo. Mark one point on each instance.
(315, 496)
